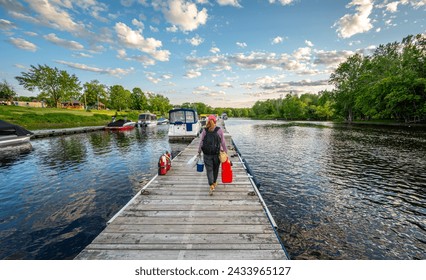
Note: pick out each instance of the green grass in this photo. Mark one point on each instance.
(46, 118)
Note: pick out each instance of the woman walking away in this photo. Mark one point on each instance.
(212, 142)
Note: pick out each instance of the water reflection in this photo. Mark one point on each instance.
(57, 198)
(341, 192)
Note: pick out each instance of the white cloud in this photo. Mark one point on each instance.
(392, 7)
(229, 3)
(283, 2)
(225, 85)
(6, 24)
(195, 41)
(23, 44)
(215, 50)
(73, 45)
(134, 39)
(241, 44)
(309, 43)
(359, 22)
(172, 29)
(138, 23)
(277, 40)
(114, 72)
(183, 14)
(191, 74)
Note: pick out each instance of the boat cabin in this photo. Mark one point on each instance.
(184, 124)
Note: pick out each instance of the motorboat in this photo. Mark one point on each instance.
(120, 124)
(147, 119)
(184, 124)
(12, 135)
(161, 121)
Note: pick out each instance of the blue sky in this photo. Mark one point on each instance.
(225, 53)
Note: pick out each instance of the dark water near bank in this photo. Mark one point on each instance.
(57, 198)
(335, 192)
(341, 192)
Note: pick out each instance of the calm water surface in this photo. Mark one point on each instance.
(339, 192)
(57, 198)
(335, 192)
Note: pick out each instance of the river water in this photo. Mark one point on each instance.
(336, 192)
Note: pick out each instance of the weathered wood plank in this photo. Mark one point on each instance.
(182, 254)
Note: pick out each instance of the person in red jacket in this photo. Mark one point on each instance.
(211, 143)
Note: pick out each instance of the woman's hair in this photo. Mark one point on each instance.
(210, 125)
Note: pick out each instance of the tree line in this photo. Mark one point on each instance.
(56, 86)
(390, 84)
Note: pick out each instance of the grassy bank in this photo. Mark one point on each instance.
(47, 118)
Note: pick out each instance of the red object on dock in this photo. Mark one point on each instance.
(226, 172)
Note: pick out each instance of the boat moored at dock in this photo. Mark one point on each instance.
(184, 124)
(147, 119)
(11, 134)
(120, 125)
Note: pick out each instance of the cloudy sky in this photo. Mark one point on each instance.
(220, 52)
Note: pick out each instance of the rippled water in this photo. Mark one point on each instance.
(339, 192)
(335, 192)
(57, 198)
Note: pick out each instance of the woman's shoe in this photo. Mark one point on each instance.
(212, 186)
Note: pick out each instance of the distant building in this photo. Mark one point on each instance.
(34, 104)
(73, 104)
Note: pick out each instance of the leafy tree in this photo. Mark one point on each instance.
(120, 98)
(94, 92)
(6, 91)
(52, 83)
(345, 79)
(160, 104)
(139, 100)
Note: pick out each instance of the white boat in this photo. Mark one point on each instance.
(162, 121)
(11, 134)
(147, 119)
(184, 124)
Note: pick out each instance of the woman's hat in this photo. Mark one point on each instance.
(212, 117)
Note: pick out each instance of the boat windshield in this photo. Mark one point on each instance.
(147, 117)
(183, 116)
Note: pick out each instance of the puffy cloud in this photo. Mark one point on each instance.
(134, 39)
(195, 41)
(23, 44)
(191, 74)
(114, 71)
(73, 45)
(229, 3)
(359, 22)
(183, 14)
(277, 40)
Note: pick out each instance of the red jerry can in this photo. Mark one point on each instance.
(226, 172)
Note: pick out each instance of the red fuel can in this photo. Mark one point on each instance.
(226, 172)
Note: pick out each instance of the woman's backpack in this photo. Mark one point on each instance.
(211, 142)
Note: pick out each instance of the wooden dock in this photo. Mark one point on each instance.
(174, 218)
(65, 131)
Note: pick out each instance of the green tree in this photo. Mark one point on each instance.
(94, 92)
(120, 97)
(346, 81)
(159, 104)
(6, 91)
(139, 100)
(55, 84)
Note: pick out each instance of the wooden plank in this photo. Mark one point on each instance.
(181, 254)
(189, 220)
